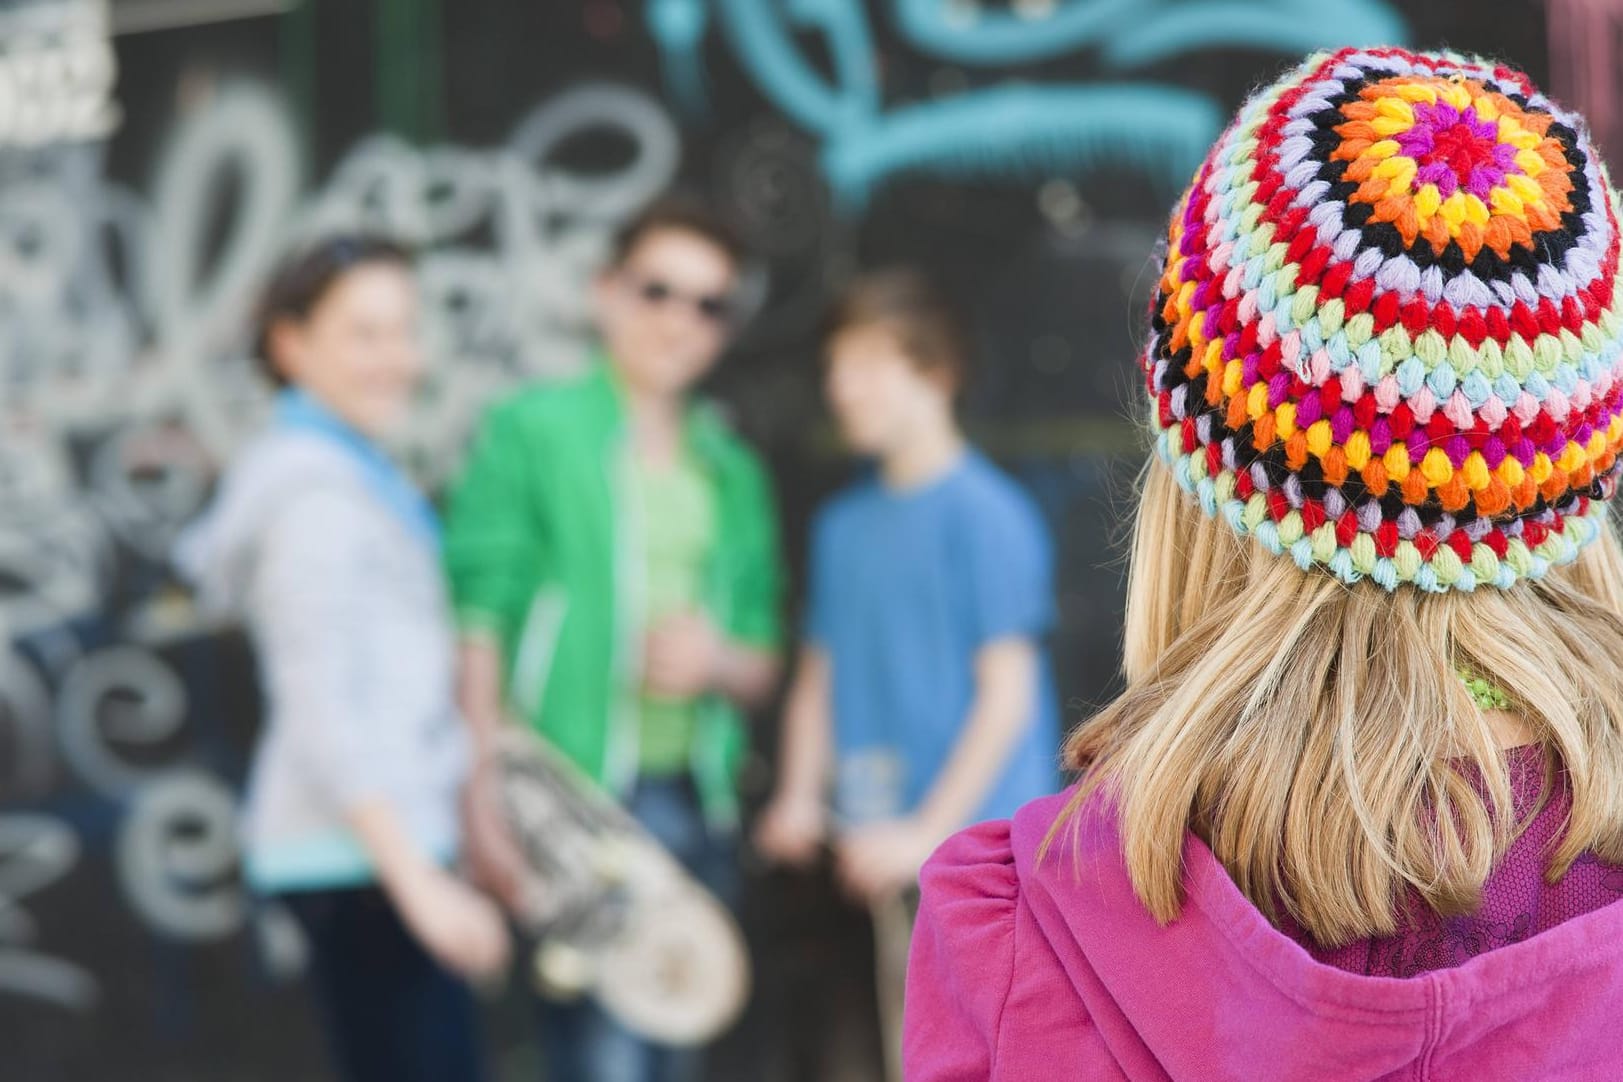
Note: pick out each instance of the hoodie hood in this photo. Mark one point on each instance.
(1096, 988)
(216, 554)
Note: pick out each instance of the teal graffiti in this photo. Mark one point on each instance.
(1001, 38)
(1007, 129)
(1022, 131)
(679, 26)
(1135, 32)
(1172, 29)
(760, 32)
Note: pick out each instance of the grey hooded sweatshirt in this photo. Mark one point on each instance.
(348, 615)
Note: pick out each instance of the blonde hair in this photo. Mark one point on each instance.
(1317, 737)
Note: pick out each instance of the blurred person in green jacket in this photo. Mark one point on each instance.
(613, 558)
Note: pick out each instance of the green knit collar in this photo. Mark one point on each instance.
(1485, 693)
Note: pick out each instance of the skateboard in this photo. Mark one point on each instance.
(613, 914)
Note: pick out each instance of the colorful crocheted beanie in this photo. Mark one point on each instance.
(1386, 339)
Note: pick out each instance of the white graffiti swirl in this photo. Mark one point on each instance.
(177, 857)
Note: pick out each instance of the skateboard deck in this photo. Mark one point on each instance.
(613, 914)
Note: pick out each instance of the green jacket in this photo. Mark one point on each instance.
(544, 551)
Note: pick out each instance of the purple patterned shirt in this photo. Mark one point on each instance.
(1517, 903)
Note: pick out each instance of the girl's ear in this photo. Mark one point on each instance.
(286, 348)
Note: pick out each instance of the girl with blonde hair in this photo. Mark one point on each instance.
(1358, 813)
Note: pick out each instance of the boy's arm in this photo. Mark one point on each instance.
(746, 674)
(880, 858)
(794, 822)
(479, 688)
(493, 854)
(1009, 578)
(804, 762)
(750, 660)
(488, 539)
(737, 657)
(686, 656)
(1006, 672)
(458, 926)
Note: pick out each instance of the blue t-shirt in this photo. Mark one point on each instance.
(906, 587)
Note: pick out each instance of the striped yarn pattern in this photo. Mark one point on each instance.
(1386, 338)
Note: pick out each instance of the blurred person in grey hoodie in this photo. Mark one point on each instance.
(330, 555)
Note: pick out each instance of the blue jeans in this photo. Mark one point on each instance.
(390, 1012)
(580, 1041)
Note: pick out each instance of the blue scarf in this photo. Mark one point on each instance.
(297, 410)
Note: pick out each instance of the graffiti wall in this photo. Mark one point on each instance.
(152, 167)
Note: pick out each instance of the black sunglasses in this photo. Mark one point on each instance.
(714, 307)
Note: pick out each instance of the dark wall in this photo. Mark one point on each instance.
(1025, 151)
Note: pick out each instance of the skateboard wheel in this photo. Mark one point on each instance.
(561, 971)
(613, 860)
(679, 974)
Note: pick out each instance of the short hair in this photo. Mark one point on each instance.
(307, 275)
(683, 213)
(906, 303)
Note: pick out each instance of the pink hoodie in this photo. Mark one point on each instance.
(1026, 973)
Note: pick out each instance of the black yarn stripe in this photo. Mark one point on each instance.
(1550, 246)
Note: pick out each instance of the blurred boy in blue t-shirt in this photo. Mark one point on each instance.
(923, 699)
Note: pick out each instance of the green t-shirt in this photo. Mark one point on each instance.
(676, 506)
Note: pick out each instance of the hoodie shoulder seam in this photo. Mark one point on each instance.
(1008, 983)
(1434, 1029)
